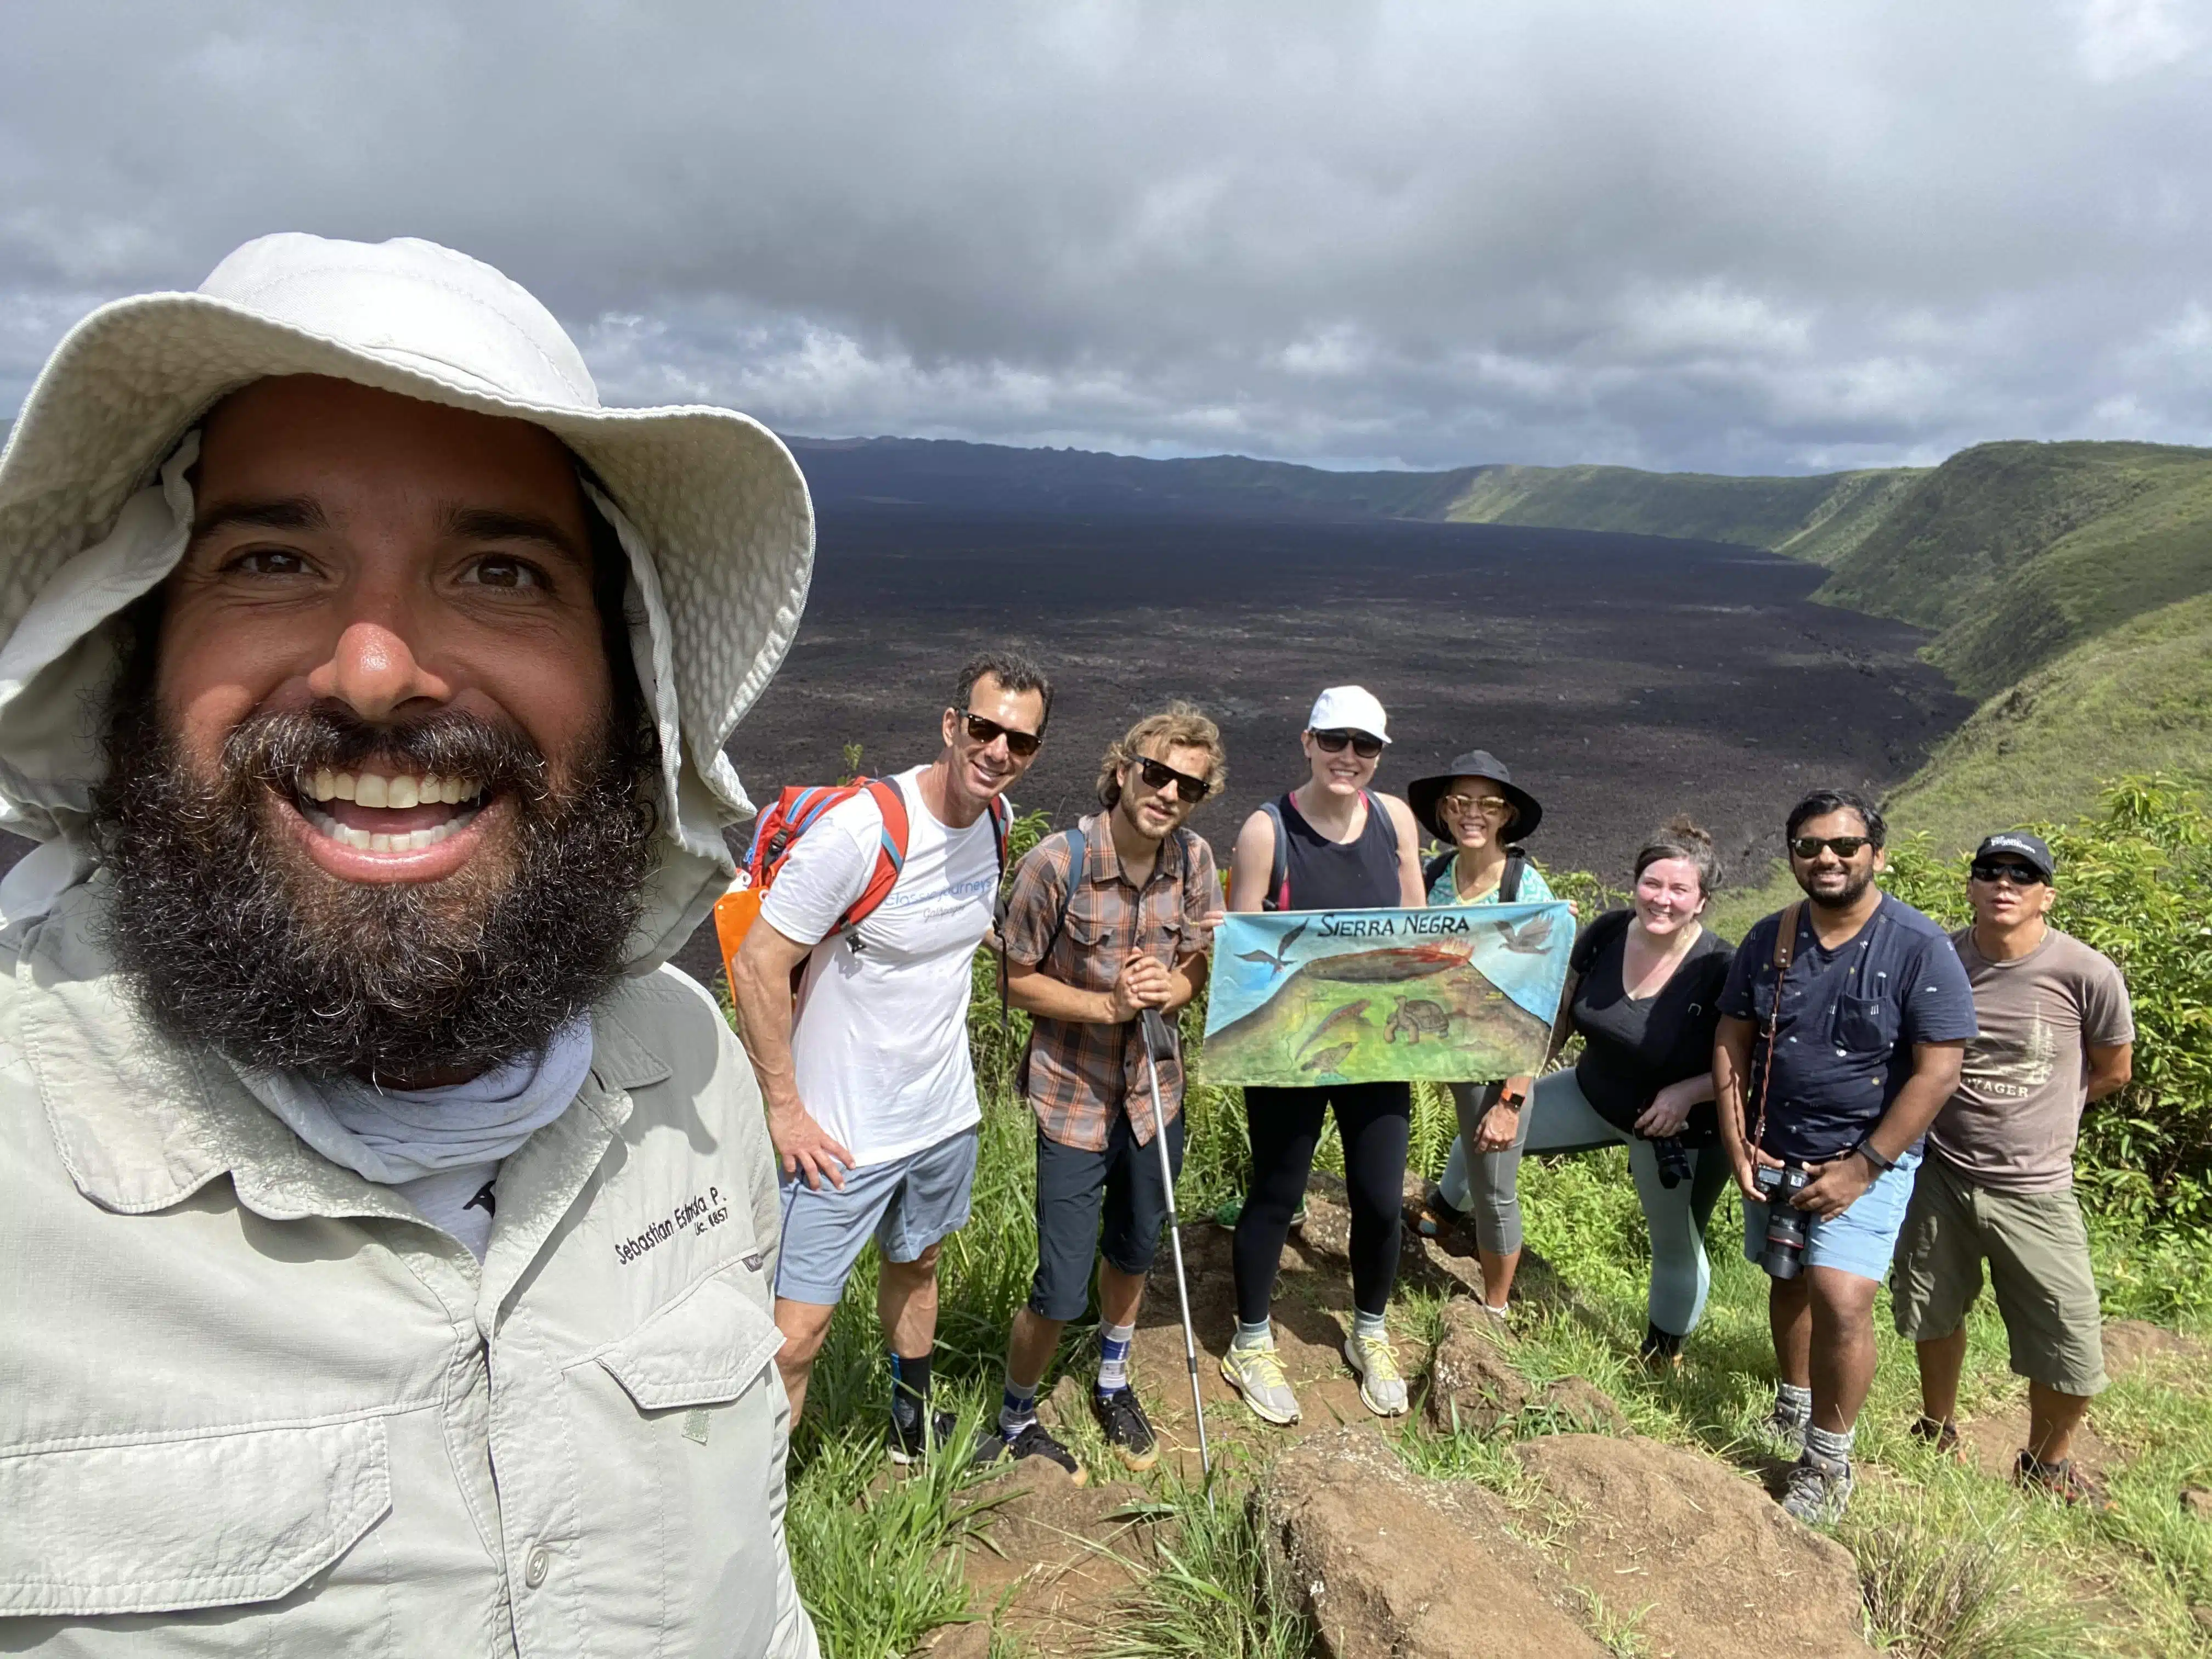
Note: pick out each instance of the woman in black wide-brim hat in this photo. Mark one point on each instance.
(1481, 816)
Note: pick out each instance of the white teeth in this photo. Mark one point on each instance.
(373, 789)
(401, 792)
(322, 787)
(369, 791)
(414, 841)
(341, 785)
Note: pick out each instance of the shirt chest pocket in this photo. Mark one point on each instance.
(1864, 1024)
(216, 1522)
(680, 1428)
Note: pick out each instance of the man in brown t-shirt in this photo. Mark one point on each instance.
(2057, 1033)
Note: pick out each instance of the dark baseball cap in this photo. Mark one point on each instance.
(2030, 850)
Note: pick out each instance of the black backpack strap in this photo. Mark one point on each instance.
(1509, 884)
(1278, 895)
(1435, 864)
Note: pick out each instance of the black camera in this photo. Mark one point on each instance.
(1785, 1254)
(1673, 1159)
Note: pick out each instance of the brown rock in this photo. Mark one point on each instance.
(2197, 1502)
(1390, 1565)
(1051, 1560)
(1472, 1380)
(1698, 1558)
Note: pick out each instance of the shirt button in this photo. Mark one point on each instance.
(533, 1569)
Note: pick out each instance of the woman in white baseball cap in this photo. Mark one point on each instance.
(1329, 844)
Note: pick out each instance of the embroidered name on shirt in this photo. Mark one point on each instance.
(697, 1215)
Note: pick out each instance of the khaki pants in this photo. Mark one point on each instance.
(2037, 1253)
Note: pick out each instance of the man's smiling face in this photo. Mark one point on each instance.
(375, 804)
(398, 562)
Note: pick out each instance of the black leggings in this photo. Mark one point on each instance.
(1372, 1119)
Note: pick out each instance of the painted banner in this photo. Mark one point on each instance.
(1463, 995)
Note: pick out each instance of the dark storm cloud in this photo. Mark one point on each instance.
(1709, 234)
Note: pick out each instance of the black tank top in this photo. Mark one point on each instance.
(1327, 875)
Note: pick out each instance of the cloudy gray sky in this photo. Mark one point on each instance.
(1710, 234)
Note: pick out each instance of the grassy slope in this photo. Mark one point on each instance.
(2017, 551)
(2137, 697)
(1767, 512)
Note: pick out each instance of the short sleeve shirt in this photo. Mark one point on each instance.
(1634, 1047)
(1534, 889)
(879, 1043)
(1849, 1019)
(2013, 1123)
(1079, 1076)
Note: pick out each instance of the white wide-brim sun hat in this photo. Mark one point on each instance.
(95, 509)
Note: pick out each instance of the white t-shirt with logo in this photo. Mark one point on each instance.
(880, 1039)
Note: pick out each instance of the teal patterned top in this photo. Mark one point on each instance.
(1534, 890)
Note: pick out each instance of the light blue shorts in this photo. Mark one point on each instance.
(905, 1204)
(1860, 1240)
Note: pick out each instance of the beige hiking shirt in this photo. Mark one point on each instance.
(252, 1403)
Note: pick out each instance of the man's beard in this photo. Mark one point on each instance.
(232, 938)
(1851, 893)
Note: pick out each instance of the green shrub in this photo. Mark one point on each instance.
(2135, 882)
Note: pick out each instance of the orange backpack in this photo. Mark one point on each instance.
(798, 809)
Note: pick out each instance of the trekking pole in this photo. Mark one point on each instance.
(1160, 1045)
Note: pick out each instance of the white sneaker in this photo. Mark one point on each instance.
(1257, 1374)
(1382, 1387)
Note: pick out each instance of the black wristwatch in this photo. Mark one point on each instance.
(1865, 1150)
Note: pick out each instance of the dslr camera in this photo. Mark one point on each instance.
(1673, 1159)
(1783, 1257)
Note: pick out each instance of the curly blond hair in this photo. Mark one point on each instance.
(1183, 728)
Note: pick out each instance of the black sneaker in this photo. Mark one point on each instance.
(905, 1435)
(1034, 1440)
(1123, 1421)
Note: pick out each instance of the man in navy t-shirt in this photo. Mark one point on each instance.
(1873, 1019)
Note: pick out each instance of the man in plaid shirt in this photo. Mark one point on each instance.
(1104, 922)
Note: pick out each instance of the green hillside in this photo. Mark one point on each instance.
(2017, 551)
(2136, 698)
(1768, 512)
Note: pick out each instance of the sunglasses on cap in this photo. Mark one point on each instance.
(1996, 870)
(1333, 743)
(1159, 776)
(1844, 846)
(984, 733)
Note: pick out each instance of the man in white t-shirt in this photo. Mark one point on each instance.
(870, 1097)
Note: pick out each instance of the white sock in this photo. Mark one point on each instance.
(1114, 1356)
(1793, 1402)
(1364, 1325)
(1835, 1448)
(1261, 1335)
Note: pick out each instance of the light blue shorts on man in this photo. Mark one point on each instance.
(1860, 1240)
(905, 1204)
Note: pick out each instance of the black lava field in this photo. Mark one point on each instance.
(1622, 677)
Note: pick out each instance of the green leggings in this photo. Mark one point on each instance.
(1557, 1119)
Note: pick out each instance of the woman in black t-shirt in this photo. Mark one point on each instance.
(1644, 991)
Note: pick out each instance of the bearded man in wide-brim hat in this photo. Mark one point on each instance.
(385, 1233)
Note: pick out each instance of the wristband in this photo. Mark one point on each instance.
(1512, 1102)
(1865, 1150)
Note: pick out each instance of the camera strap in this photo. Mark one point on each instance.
(1785, 947)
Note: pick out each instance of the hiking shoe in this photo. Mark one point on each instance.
(1818, 1490)
(905, 1438)
(1943, 1436)
(1382, 1387)
(1257, 1374)
(2061, 1481)
(1033, 1440)
(1126, 1429)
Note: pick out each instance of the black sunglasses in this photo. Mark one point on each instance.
(1333, 743)
(1159, 777)
(985, 733)
(1844, 846)
(2018, 874)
